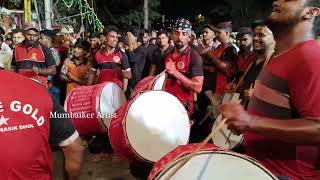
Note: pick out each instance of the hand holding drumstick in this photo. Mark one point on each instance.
(239, 120)
(249, 92)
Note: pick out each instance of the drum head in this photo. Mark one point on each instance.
(227, 98)
(224, 138)
(218, 165)
(159, 83)
(156, 123)
(111, 98)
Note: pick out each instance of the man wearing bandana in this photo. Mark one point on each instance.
(184, 66)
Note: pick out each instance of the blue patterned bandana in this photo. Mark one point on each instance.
(183, 24)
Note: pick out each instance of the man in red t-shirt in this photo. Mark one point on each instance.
(31, 59)
(28, 123)
(112, 63)
(246, 54)
(281, 127)
(184, 66)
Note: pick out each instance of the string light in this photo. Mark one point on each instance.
(88, 12)
(68, 3)
(92, 16)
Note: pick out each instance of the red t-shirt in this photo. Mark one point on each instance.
(26, 129)
(288, 88)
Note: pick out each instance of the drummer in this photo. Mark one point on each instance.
(31, 59)
(111, 61)
(184, 66)
(281, 127)
(263, 48)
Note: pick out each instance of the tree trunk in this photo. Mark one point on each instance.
(146, 14)
(47, 14)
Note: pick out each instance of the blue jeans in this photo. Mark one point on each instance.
(55, 91)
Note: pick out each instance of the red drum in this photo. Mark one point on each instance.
(149, 126)
(150, 83)
(209, 163)
(224, 137)
(92, 107)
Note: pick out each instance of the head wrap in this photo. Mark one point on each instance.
(183, 24)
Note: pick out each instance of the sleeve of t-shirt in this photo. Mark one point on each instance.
(7, 49)
(50, 62)
(230, 54)
(95, 62)
(195, 68)
(304, 88)
(154, 58)
(62, 131)
(13, 61)
(125, 61)
(64, 68)
(137, 55)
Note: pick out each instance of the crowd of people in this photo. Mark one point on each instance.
(273, 65)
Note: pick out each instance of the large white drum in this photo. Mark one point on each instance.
(224, 137)
(209, 163)
(95, 106)
(149, 126)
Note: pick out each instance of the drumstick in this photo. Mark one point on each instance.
(244, 103)
(201, 145)
(246, 100)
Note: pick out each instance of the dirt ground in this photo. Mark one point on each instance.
(100, 170)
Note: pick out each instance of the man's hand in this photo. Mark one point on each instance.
(248, 93)
(36, 69)
(171, 68)
(131, 38)
(238, 119)
(75, 79)
(231, 87)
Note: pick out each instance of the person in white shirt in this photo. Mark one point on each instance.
(5, 54)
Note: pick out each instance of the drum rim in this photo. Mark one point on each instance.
(124, 125)
(101, 120)
(177, 160)
(151, 84)
(157, 78)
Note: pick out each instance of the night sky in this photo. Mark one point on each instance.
(191, 8)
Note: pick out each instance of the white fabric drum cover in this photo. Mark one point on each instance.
(111, 98)
(156, 124)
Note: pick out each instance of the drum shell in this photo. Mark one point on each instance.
(118, 137)
(85, 100)
(148, 83)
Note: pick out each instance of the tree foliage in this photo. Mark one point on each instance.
(125, 16)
